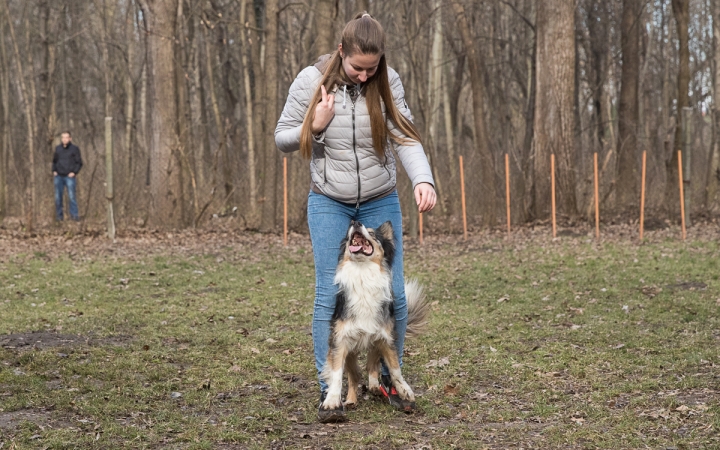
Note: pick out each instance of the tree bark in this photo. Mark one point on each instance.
(270, 116)
(165, 169)
(628, 113)
(487, 171)
(4, 151)
(252, 217)
(326, 14)
(714, 165)
(554, 113)
(130, 100)
(29, 105)
(682, 17)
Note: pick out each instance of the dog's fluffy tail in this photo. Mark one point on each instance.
(418, 308)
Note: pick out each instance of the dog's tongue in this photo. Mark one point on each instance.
(355, 248)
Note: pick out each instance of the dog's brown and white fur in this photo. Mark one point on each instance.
(364, 318)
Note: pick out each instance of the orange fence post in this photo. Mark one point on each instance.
(462, 193)
(285, 203)
(552, 190)
(420, 225)
(507, 190)
(642, 195)
(682, 195)
(597, 198)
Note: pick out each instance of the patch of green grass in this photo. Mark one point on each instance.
(549, 345)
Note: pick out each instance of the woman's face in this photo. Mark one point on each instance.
(359, 67)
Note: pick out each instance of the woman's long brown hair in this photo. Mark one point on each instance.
(365, 35)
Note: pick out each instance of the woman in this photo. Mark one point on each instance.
(342, 114)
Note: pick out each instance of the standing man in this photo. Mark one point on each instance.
(66, 165)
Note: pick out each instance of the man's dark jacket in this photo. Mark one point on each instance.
(67, 160)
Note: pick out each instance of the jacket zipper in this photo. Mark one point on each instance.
(357, 160)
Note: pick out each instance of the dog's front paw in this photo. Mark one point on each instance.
(332, 402)
(350, 405)
(405, 392)
(374, 386)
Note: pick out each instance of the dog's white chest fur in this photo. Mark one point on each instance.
(367, 289)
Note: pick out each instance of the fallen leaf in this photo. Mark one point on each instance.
(438, 362)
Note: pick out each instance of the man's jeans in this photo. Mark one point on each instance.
(60, 183)
(329, 221)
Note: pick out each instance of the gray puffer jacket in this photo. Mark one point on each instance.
(344, 166)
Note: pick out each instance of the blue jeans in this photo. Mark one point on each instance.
(329, 221)
(60, 183)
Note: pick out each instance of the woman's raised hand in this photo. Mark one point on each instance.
(425, 197)
(324, 111)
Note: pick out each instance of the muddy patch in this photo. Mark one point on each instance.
(688, 286)
(47, 339)
(10, 421)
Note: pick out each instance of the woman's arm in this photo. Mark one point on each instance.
(412, 155)
(287, 131)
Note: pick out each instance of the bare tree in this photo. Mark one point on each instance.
(166, 186)
(713, 175)
(487, 171)
(682, 17)
(270, 115)
(628, 113)
(554, 110)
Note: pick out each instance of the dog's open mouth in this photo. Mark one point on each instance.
(358, 244)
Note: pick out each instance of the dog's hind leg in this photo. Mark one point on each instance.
(354, 374)
(389, 354)
(373, 369)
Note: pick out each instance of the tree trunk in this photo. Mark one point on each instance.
(432, 116)
(270, 116)
(29, 117)
(487, 171)
(326, 14)
(682, 17)
(628, 113)
(4, 150)
(130, 103)
(714, 165)
(165, 169)
(554, 116)
(252, 217)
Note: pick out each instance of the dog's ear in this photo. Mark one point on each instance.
(343, 249)
(386, 237)
(385, 230)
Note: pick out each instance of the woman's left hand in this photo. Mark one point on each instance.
(425, 197)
